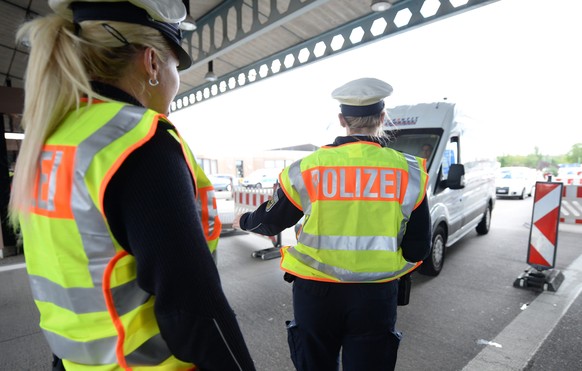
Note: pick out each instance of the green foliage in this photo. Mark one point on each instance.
(575, 154)
(539, 161)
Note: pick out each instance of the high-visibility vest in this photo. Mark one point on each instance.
(92, 311)
(205, 197)
(357, 199)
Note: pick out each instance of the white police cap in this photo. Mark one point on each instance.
(167, 11)
(362, 97)
(163, 15)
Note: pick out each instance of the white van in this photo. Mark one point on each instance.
(461, 190)
(515, 182)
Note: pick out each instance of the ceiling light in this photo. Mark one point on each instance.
(210, 75)
(380, 6)
(14, 136)
(188, 24)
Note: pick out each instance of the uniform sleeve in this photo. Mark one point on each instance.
(151, 208)
(272, 216)
(417, 238)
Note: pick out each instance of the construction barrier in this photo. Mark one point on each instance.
(571, 211)
(569, 181)
(249, 199)
(543, 240)
(543, 236)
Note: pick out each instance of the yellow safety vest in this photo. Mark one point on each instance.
(357, 199)
(93, 313)
(205, 197)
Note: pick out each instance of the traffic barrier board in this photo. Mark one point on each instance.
(543, 238)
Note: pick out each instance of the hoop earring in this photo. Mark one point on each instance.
(153, 82)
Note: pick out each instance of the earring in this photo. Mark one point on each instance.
(153, 82)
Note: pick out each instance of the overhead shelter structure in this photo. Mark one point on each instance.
(233, 43)
(250, 40)
(240, 42)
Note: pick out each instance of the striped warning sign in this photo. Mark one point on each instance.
(543, 238)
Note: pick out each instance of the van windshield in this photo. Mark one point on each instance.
(421, 143)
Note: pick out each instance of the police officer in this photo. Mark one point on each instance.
(366, 223)
(114, 210)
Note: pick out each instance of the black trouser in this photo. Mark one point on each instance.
(58, 364)
(357, 318)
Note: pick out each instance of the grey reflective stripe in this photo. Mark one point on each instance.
(296, 179)
(95, 235)
(102, 351)
(212, 212)
(96, 352)
(411, 194)
(353, 243)
(80, 300)
(345, 275)
(152, 352)
(75, 299)
(128, 296)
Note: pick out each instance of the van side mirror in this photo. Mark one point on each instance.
(456, 177)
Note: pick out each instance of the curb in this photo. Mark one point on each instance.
(523, 337)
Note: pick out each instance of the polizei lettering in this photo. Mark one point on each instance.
(355, 183)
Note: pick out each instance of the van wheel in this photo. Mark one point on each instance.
(433, 264)
(522, 196)
(485, 223)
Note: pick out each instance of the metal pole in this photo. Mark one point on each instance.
(7, 235)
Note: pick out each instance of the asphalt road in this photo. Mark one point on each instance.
(449, 321)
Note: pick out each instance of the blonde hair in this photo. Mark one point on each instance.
(60, 68)
(371, 125)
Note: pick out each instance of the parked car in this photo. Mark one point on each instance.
(222, 182)
(263, 178)
(515, 182)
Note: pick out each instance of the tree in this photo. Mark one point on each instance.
(575, 154)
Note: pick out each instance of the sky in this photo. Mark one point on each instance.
(513, 65)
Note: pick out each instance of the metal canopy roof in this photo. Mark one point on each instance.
(250, 40)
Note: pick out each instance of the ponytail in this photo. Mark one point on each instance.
(60, 67)
(55, 80)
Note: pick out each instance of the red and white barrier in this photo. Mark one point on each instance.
(248, 199)
(569, 181)
(543, 237)
(571, 211)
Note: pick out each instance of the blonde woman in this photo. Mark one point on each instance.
(107, 196)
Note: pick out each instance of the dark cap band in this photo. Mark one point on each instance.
(129, 13)
(361, 111)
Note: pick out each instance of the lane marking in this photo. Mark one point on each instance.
(12, 267)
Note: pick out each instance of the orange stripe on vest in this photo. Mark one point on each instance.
(54, 183)
(351, 183)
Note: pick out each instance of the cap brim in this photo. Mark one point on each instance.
(184, 59)
(129, 13)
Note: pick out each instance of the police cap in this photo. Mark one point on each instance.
(362, 97)
(163, 15)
